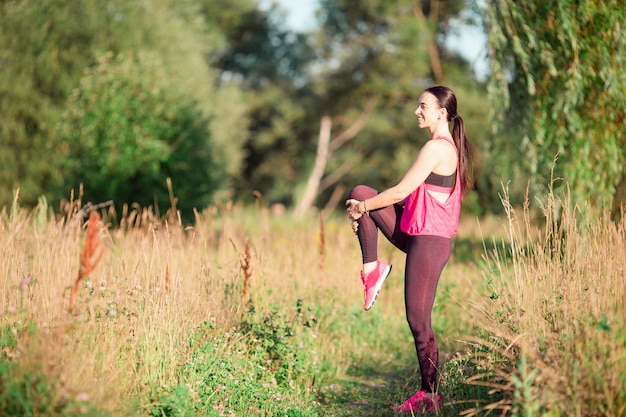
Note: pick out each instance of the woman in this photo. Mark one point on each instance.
(419, 216)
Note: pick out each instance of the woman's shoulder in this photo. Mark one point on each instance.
(441, 143)
(443, 154)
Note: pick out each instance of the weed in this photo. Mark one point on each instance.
(278, 342)
(27, 392)
(248, 371)
(90, 256)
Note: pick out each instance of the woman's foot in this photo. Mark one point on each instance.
(373, 281)
(421, 401)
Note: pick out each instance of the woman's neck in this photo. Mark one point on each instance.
(439, 132)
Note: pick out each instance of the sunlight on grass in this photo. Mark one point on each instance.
(246, 313)
(556, 313)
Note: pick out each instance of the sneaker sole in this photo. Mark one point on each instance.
(378, 286)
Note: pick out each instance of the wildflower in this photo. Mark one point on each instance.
(26, 283)
(82, 397)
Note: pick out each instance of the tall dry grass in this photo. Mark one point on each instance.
(124, 324)
(557, 315)
(550, 317)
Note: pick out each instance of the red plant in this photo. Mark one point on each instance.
(246, 267)
(322, 251)
(90, 256)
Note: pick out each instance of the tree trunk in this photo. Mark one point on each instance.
(318, 169)
(433, 51)
(325, 149)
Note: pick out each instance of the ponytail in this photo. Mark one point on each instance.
(466, 154)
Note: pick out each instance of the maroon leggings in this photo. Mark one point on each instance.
(426, 257)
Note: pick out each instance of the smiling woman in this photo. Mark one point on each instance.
(419, 216)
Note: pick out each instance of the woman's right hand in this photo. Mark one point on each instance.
(353, 209)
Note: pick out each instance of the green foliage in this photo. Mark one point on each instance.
(558, 82)
(260, 54)
(274, 340)
(526, 403)
(127, 129)
(260, 50)
(30, 393)
(46, 48)
(363, 50)
(248, 371)
(53, 53)
(30, 87)
(281, 141)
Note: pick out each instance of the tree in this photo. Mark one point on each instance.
(559, 80)
(260, 50)
(45, 49)
(38, 57)
(261, 55)
(127, 129)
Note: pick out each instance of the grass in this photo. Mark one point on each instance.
(559, 311)
(246, 313)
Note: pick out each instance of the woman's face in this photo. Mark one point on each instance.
(428, 111)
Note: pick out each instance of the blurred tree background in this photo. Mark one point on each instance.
(227, 101)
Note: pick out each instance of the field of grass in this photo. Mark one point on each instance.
(247, 313)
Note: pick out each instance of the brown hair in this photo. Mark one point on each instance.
(446, 98)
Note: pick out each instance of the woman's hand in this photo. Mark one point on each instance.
(354, 214)
(355, 226)
(355, 209)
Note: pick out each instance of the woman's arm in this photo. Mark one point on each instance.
(430, 156)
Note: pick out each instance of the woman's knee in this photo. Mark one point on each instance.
(361, 192)
(418, 324)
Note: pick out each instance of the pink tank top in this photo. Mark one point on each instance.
(425, 215)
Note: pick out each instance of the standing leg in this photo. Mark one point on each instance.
(426, 258)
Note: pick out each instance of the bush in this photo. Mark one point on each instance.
(127, 130)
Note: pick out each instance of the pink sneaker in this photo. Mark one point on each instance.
(421, 402)
(373, 281)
